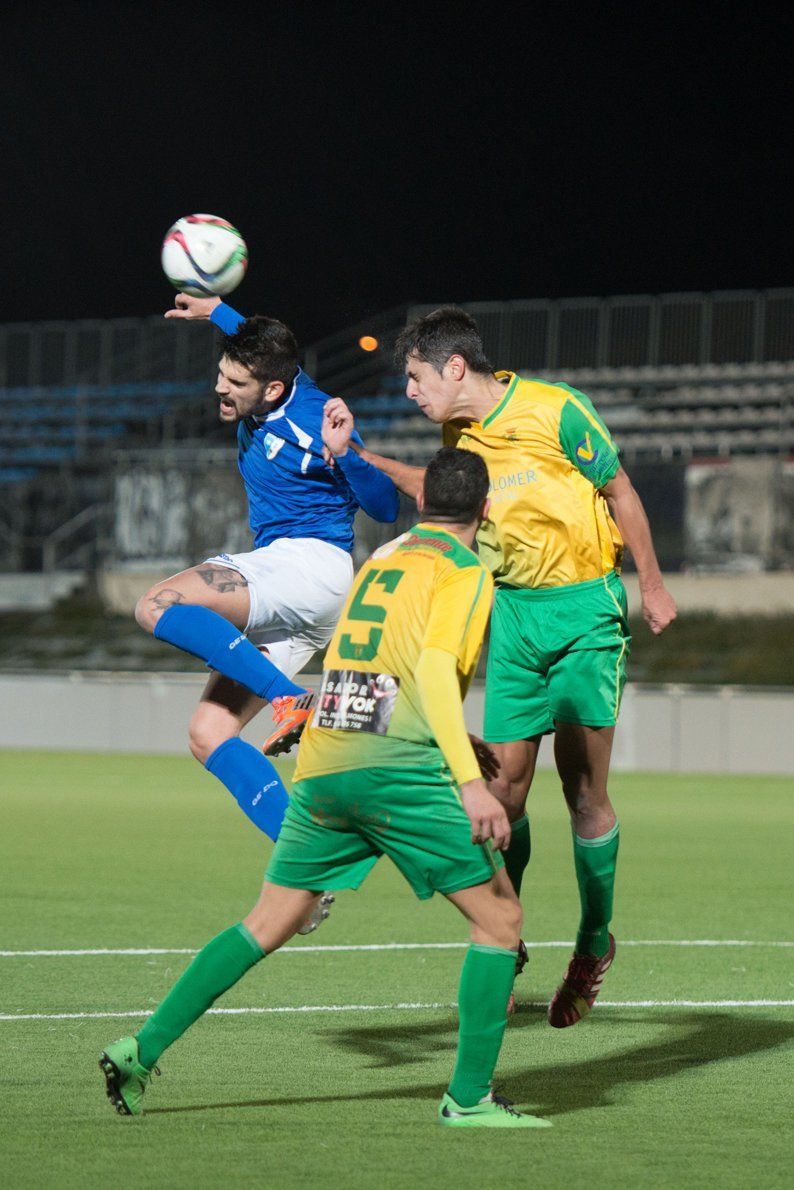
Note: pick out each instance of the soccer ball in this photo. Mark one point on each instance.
(204, 255)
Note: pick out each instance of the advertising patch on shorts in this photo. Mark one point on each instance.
(354, 701)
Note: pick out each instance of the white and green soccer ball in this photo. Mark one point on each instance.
(204, 255)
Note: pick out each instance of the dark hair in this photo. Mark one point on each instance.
(436, 336)
(456, 485)
(266, 347)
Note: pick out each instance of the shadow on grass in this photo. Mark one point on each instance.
(694, 1039)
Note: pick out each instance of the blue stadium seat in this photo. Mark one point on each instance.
(683, 409)
(17, 474)
(47, 425)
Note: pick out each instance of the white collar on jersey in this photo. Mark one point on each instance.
(280, 411)
(260, 421)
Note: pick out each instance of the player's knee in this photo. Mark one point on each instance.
(150, 607)
(146, 612)
(581, 793)
(204, 737)
(514, 920)
(501, 926)
(505, 932)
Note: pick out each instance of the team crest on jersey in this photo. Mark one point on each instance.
(585, 452)
(272, 444)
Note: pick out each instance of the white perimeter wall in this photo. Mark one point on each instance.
(675, 729)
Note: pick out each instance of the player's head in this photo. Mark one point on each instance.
(437, 352)
(257, 364)
(455, 488)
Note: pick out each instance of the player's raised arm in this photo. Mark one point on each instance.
(374, 491)
(209, 309)
(406, 478)
(193, 309)
(658, 606)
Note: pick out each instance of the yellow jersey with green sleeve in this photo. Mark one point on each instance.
(548, 453)
(423, 590)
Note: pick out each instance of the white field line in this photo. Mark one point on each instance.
(414, 1007)
(382, 946)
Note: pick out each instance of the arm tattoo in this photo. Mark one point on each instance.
(166, 598)
(222, 578)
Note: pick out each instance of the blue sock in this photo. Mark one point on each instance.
(255, 784)
(216, 641)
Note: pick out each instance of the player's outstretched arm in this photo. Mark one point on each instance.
(406, 478)
(374, 491)
(658, 606)
(196, 309)
(193, 309)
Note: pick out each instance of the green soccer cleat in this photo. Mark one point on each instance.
(126, 1079)
(493, 1112)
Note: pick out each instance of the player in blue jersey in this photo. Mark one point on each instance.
(256, 618)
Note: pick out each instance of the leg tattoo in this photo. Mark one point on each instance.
(221, 578)
(165, 599)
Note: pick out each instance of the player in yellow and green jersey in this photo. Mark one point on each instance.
(386, 767)
(561, 507)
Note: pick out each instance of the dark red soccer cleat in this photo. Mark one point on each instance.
(522, 958)
(580, 985)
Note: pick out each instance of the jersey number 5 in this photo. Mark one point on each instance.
(373, 613)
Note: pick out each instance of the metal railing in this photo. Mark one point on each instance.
(730, 326)
(75, 544)
(109, 351)
(341, 366)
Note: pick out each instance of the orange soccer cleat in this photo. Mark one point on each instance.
(289, 717)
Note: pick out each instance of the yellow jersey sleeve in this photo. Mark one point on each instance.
(459, 614)
(439, 691)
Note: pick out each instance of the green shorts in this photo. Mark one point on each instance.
(556, 655)
(338, 825)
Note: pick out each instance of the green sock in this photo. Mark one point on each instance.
(486, 982)
(517, 855)
(221, 963)
(595, 861)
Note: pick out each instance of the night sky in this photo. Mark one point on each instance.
(373, 155)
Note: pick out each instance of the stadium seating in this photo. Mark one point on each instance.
(672, 411)
(49, 426)
(666, 412)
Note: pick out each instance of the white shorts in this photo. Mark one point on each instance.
(297, 587)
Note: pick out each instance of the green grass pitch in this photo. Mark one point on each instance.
(124, 852)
